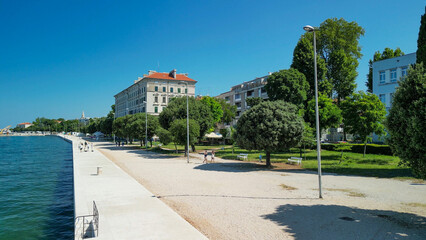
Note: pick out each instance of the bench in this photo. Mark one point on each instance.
(242, 156)
(295, 159)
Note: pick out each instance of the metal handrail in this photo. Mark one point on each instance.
(92, 222)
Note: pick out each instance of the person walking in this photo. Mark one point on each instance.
(205, 156)
(212, 157)
(85, 146)
(91, 145)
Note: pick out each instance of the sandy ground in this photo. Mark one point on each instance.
(237, 200)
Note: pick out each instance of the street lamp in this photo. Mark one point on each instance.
(146, 125)
(309, 28)
(187, 121)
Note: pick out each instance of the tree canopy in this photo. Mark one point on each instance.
(198, 111)
(338, 45)
(303, 61)
(229, 111)
(270, 126)
(329, 114)
(179, 131)
(363, 114)
(288, 85)
(406, 121)
(253, 101)
(421, 41)
(215, 107)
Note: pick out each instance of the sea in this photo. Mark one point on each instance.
(36, 188)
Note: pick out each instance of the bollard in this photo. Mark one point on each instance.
(98, 170)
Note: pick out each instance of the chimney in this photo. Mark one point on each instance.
(173, 73)
(269, 73)
(151, 72)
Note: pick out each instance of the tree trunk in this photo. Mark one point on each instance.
(186, 149)
(268, 159)
(193, 147)
(365, 146)
(176, 148)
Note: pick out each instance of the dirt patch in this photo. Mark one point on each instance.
(349, 192)
(286, 187)
(414, 204)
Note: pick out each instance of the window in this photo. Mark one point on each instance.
(186, 90)
(164, 89)
(237, 96)
(178, 90)
(164, 99)
(226, 98)
(250, 93)
(393, 75)
(238, 105)
(238, 113)
(156, 99)
(382, 98)
(403, 71)
(263, 90)
(156, 109)
(382, 76)
(171, 89)
(156, 88)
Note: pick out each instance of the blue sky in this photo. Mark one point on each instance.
(58, 58)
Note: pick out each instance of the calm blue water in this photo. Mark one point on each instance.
(36, 188)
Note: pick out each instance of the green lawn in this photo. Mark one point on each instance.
(372, 165)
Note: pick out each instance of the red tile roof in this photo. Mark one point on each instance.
(25, 123)
(166, 76)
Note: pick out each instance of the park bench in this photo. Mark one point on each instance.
(242, 156)
(296, 160)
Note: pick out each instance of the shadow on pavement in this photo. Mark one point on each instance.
(341, 222)
(229, 196)
(245, 167)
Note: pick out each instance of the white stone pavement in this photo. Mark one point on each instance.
(126, 209)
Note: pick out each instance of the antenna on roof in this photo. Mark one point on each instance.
(158, 65)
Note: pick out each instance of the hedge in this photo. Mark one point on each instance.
(359, 148)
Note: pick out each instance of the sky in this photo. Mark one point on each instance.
(59, 58)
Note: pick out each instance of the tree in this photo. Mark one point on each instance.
(288, 85)
(138, 125)
(363, 114)
(308, 138)
(198, 112)
(106, 124)
(215, 108)
(179, 132)
(329, 114)
(270, 126)
(164, 135)
(303, 61)
(254, 101)
(406, 121)
(421, 41)
(229, 111)
(339, 47)
(386, 54)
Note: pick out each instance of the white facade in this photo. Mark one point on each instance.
(386, 74)
(154, 88)
(239, 93)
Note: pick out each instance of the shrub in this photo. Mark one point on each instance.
(359, 148)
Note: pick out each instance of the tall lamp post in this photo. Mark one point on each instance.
(146, 125)
(309, 28)
(187, 121)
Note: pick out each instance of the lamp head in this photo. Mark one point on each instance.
(308, 28)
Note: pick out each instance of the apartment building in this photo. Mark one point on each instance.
(239, 93)
(386, 74)
(152, 92)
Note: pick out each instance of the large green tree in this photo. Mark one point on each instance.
(215, 107)
(421, 41)
(363, 114)
(287, 85)
(406, 121)
(198, 111)
(303, 61)
(386, 54)
(253, 101)
(178, 129)
(329, 114)
(138, 126)
(338, 45)
(270, 126)
(229, 111)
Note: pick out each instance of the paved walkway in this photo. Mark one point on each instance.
(126, 209)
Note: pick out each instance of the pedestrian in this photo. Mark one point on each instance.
(85, 146)
(205, 156)
(92, 146)
(80, 146)
(212, 157)
(260, 157)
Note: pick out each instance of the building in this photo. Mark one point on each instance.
(152, 93)
(83, 119)
(386, 74)
(24, 125)
(239, 93)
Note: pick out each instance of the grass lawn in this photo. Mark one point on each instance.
(372, 165)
